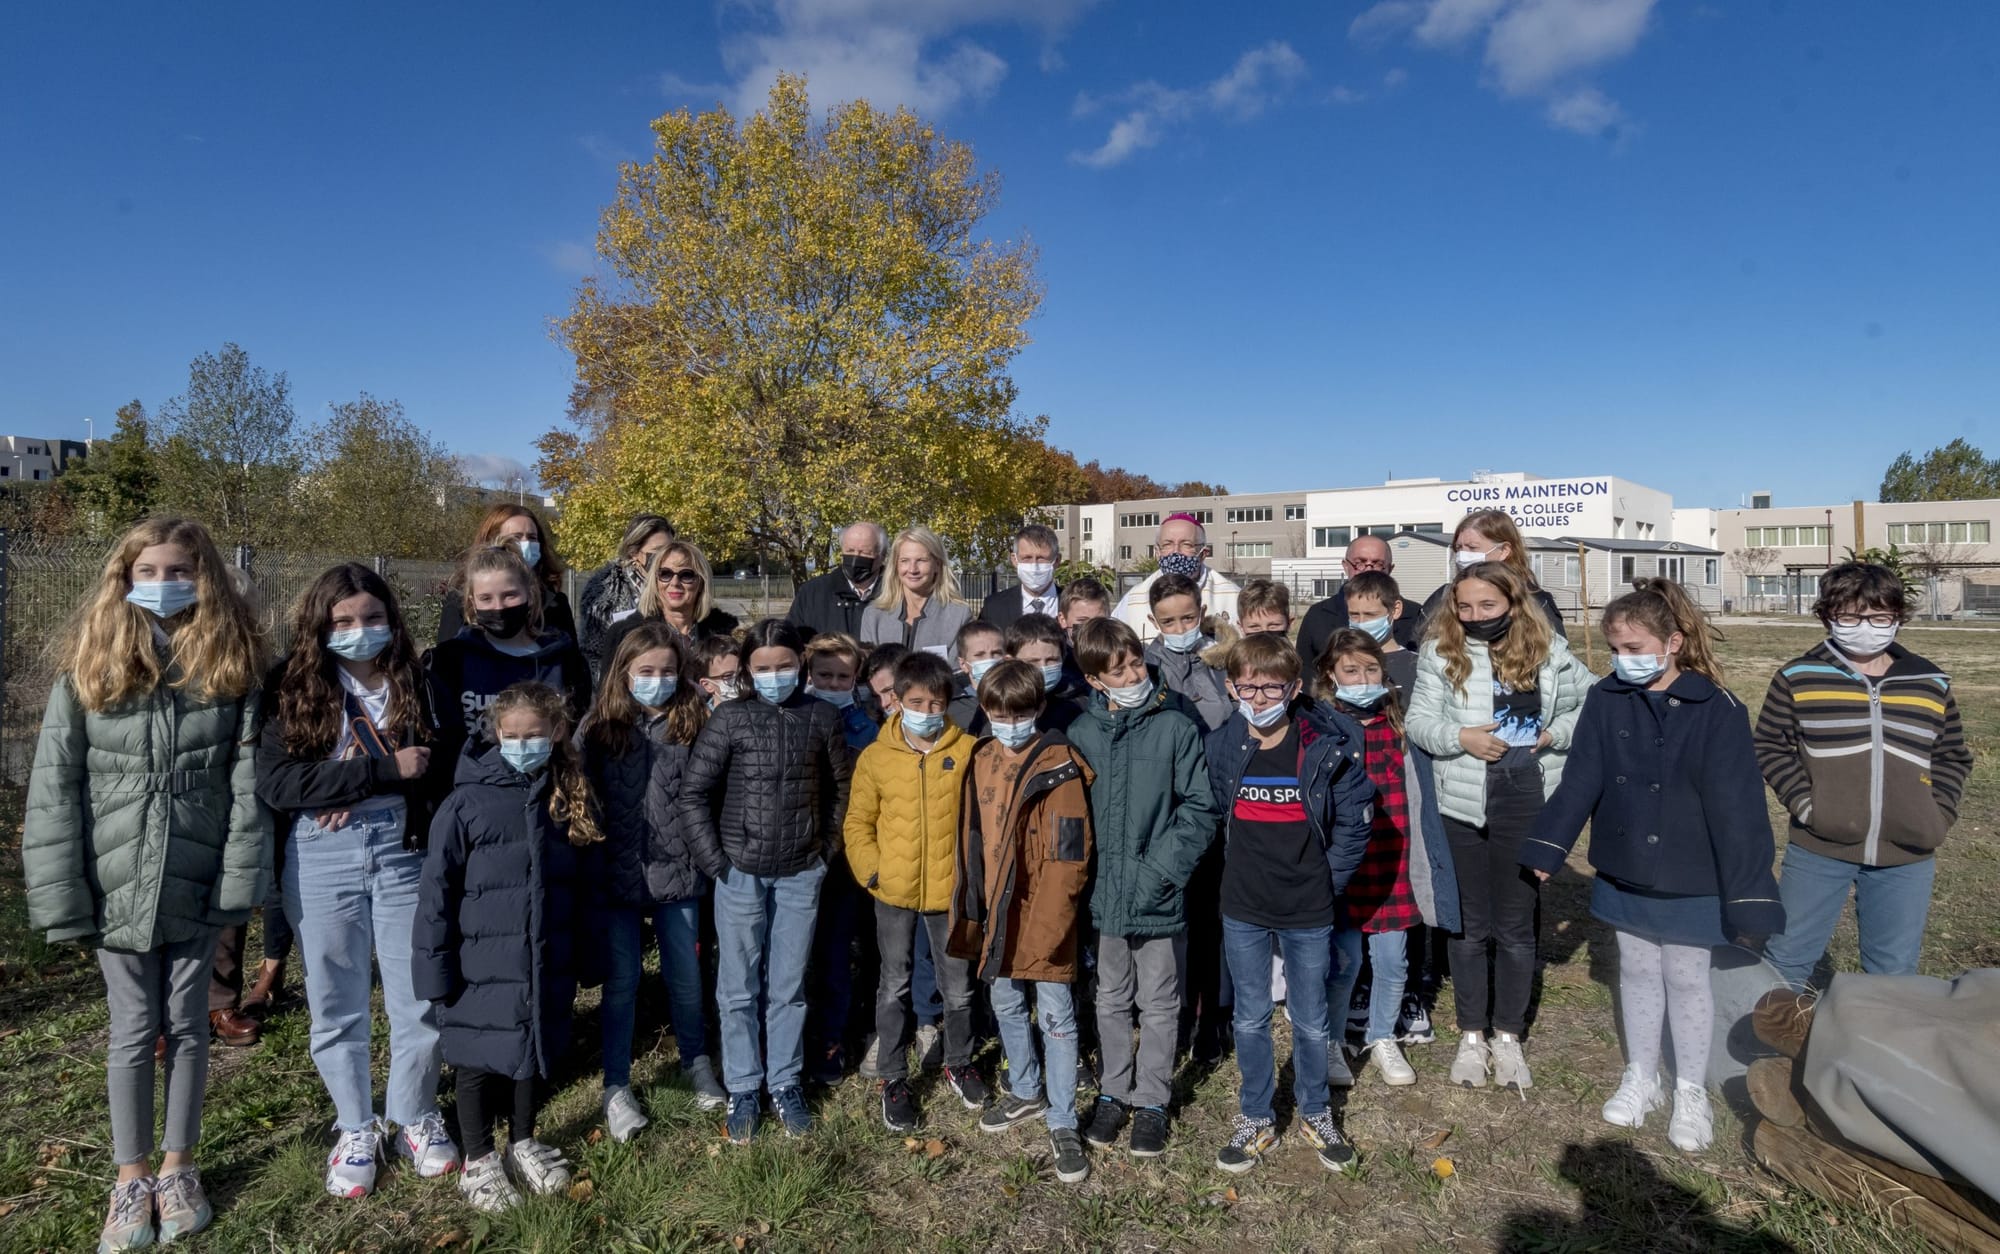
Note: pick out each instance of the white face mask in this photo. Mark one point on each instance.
(1036, 576)
(1131, 696)
(1468, 558)
(1265, 718)
(1864, 639)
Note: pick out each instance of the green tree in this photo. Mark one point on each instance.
(230, 457)
(117, 482)
(376, 483)
(1956, 472)
(803, 326)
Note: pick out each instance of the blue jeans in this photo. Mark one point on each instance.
(1056, 1011)
(1389, 954)
(764, 934)
(1891, 906)
(1308, 953)
(677, 925)
(1342, 975)
(352, 895)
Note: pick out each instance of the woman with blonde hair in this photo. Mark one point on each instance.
(919, 607)
(1489, 535)
(679, 590)
(515, 527)
(144, 836)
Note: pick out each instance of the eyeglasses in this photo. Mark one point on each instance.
(680, 576)
(1273, 692)
(1873, 620)
(1367, 563)
(1181, 546)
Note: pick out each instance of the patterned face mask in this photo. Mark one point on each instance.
(1182, 564)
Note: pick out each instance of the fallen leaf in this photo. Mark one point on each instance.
(450, 1238)
(1442, 1168)
(1006, 1190)
(715, 1149)
(1230, 1195)
(581, 1191)
(596, 1135)
(741, 1242)
(763, 1227)
(934, 1148)
(911, 1143)
(1435, 1139)
(6, 1209)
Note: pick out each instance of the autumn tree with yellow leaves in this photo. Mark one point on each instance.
(801, 326)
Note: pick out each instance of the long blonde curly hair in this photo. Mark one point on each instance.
(1517, 659)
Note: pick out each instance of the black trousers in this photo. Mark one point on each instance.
(484, 1096)
(1493, 956)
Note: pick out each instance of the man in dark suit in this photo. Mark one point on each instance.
(1035, 550)
(1328, 618)
(834, 601)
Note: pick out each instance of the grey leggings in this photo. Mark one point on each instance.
(163, 990)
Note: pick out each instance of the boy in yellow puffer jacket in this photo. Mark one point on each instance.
(902, 845)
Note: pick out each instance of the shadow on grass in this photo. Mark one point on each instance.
(1627, 1205)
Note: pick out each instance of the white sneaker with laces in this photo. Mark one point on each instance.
(350, 1168)
(1510, 1068)
(129, 1226)
(539, 1166)
(708, 1091)
(1389, 1061)
(1693, 1125)
(622, 1116)
(1469, 1068)
(1637, 1096)
(428, 1145)
(485, 1185)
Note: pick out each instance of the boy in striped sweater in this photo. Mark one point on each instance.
(1862, 742)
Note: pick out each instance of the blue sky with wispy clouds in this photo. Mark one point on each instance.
(1709, 246)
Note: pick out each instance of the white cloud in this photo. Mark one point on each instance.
(570, 257)
(608, 151)
(1535, 49)
(887, 52)
(672, 84)
(495, 470)
(1395, 78)
(1250, 86)
(1345, 95)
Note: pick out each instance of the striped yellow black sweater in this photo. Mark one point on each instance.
(1870, 769)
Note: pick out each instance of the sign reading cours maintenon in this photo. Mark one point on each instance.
(1538, 505)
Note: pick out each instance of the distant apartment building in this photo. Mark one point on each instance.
(1774, 554)
(32, 459)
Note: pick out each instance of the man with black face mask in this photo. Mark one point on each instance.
(834, 601)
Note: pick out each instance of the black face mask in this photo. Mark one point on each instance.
(859, 569)
(1492, 631)
(504, 623)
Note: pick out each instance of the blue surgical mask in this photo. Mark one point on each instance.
(654, 690)
(1181, 641)
(1013, 735)
(1638, 668)
(1131, 696)
(531, 551)
(358, 644)
(922, 726)
(838, 700)
(776, 686)
(1376, 627)
(527, 756)
(1361, 696)
(164, 597)
(1265, 718)
(980, 669)
(1052, 676)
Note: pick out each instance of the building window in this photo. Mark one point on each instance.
(1086, 527)
(1628, 568)
(1385, 530)
(1056, 523)
(1555, 570)
(1711, 572)
(1090, 555)
(1673, 568)
(1251, 548)
(6, 471)
(1202, 516)
(1332, 537)
(1788, 537)
(1326, 587)
(1807, 586)
(1250, 514)
(1760, 500)
(1139, 520)
(1124, 552)
(1941, 533)
(1295, 513)
(1424, 529)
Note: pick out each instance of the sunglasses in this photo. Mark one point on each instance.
(680, 576)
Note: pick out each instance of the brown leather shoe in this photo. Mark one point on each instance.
(265, 992)
(233, 1028)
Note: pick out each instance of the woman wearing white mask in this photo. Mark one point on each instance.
(519, 528)
(1491, 536)
(919, 606)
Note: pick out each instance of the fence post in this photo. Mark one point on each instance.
(382, 566)
(244, 556)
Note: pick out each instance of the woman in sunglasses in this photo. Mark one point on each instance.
(678, 591)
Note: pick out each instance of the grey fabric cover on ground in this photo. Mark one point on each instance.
(1903, 1067)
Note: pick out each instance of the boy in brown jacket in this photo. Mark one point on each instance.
(1023, 862)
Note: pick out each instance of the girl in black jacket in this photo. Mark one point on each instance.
(635, 752)
(496, 932)
(345, 761)
(1662, 766)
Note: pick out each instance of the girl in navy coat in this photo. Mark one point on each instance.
(496, 931)
(1663, 768)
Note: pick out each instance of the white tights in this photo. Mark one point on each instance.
(1666, 982)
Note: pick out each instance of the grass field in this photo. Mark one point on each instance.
(1537, 1175)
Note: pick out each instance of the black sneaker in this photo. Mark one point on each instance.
(1010, 1110)
(1071, 1166)
(899, 1106)
(1249, 1141)
(1325, 1136)
(1149, 1132)
(830, 1068)
(971, 1089)
(1107, 1120)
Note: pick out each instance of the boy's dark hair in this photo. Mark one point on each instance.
(1087, 590)
(1374, 583)
(1012, 688)
(770, 633)
(1263, 594)
(923, 670)
(1263, 654)
(1034, 629)
(711, 648)
(1102, 641)
(975, 628)
(881, 658)
(1172, 586)
(1861, 587)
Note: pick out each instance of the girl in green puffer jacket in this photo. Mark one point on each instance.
(144, 835)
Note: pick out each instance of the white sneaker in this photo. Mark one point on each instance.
(622, 1116)
(1413, 1025)
(539, 1166)
(708, 1091)
(1388, 1059)
(930, 1047)
(350, 1168)
(1510, 1069)
(1469, 1068)
(486, 1186)
(871, 1059)
(1637, 1096)
(1693, 1125)
(428, 1145)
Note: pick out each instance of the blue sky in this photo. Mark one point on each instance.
(1708, 246)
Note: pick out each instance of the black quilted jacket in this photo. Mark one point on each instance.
(645, 856)
(766, 786)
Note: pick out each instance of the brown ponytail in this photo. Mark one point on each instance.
(1663, 607)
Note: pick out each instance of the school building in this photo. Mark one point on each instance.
(32, 458)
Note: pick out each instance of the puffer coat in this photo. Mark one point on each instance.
(1438, 712)
(645, 857)
(766, 786)
(902, 817)
(495, 936)
(143, 825)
